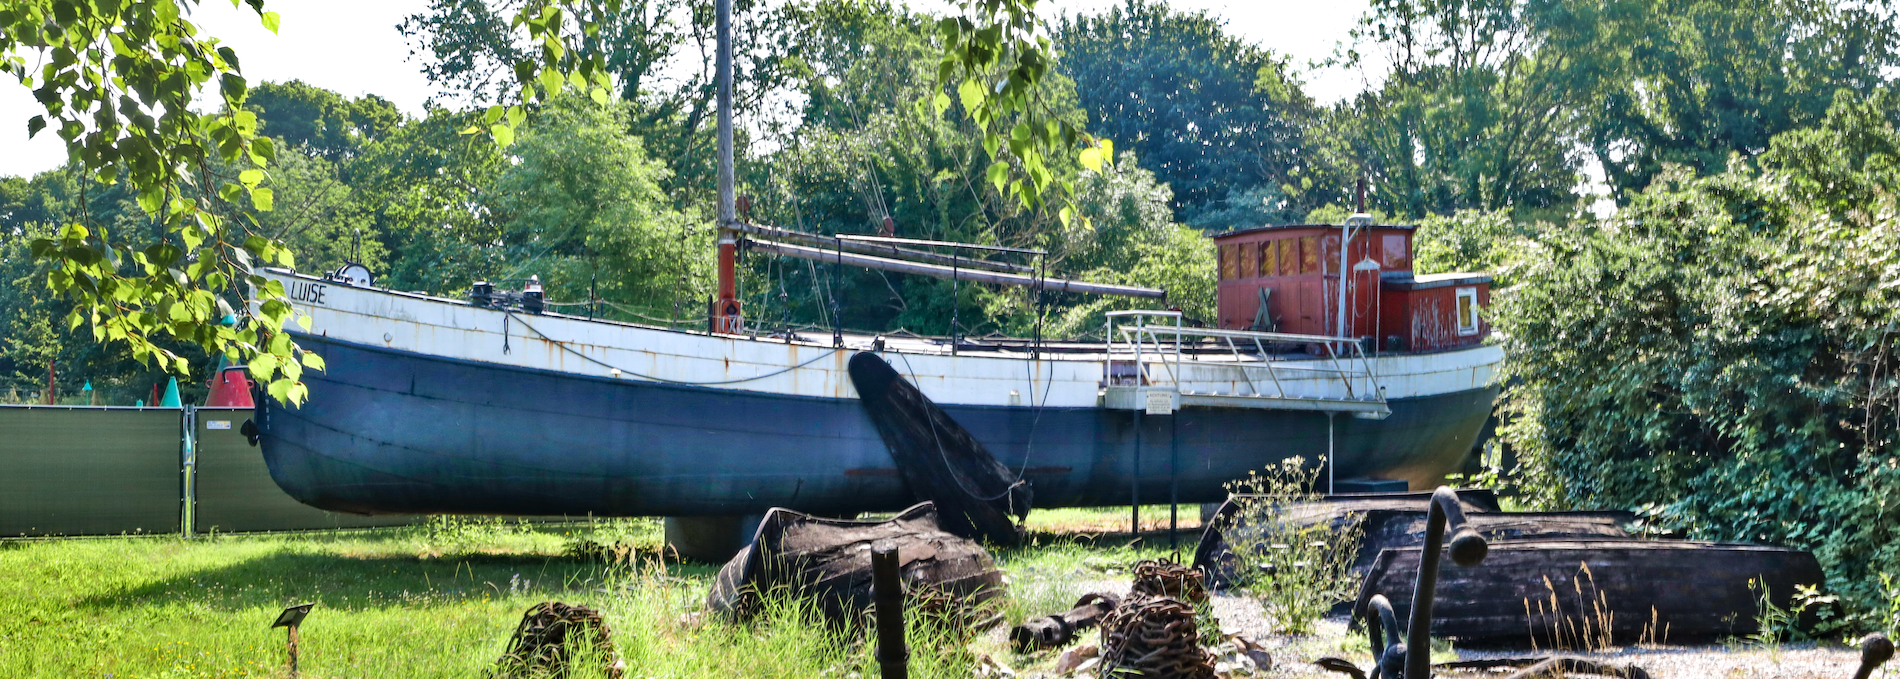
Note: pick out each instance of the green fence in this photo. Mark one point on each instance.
(234, 491)
(107, 471)
(89, 471)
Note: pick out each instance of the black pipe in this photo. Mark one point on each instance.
(1875, 649)
(1468, 548)
(887, 591)
(1388, 652)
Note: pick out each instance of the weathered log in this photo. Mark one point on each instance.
(1549, 667)
(1398, 520)
(1562, 593)
(938, 458)
(828, 563)
(1061, 629)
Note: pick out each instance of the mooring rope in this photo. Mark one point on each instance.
(590, 359)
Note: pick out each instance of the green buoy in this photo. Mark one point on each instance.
(171, 399)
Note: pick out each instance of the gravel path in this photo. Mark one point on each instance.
(1293, 656)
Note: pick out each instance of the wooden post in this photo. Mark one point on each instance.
(52, 383)
(887, 590)
(293, 652)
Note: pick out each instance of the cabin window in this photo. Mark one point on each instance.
(1309, 254)
(1396, 255)
(1229, 264)
(1269, 265)
(1467, 311)
(1247, 259)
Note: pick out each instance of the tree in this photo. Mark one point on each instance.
(322, 121)
(1476, 113)
(118, 83)
(659, 52)
(1215, 118)
(583, 204)
(1720, 354)
(1691, 82)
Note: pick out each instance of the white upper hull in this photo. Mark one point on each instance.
(454, 329)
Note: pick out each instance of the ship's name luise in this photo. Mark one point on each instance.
(305, 291)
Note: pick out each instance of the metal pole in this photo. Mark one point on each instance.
(1141, 390)
(1174, 488)
(887, 590)
(1345, 238)
(956, 328)
(1134, 486)
(188, 480)
(1042, 264)
(293, 651)
(1332, 453)
(725, 309)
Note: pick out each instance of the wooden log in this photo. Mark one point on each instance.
(1583, 593)
(828, 563)
(1058, 630)
(1398, 520)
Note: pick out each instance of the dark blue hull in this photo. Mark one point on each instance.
(393, 432)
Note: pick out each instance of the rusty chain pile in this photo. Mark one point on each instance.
(544, 642)
(1169, 579)
(1153, 633)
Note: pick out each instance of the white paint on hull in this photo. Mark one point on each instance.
(454, 329)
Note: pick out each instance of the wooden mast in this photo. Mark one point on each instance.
(726, 316)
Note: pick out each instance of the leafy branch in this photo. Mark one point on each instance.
(117, 80)
(994, 64)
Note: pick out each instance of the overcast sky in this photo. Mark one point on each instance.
(352, 47)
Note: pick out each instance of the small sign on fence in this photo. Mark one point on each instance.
(217, 424)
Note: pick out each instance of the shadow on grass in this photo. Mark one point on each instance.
(284, 578)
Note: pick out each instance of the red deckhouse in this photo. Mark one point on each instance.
(1294, 270)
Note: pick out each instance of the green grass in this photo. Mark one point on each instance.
(441, 599)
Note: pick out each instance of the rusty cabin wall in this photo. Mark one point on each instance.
(89, 470)
(1426, 318)
(1299, 265)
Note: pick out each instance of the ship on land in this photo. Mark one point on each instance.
(494, 404)
(1326, 346)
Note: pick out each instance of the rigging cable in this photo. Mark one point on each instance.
(595, 361)
(962, 484)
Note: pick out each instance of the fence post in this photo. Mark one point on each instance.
(188, 469)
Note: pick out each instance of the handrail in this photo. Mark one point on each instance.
(1136, 337)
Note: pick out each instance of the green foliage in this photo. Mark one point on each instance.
(1472, 240)
(1696, 83)
(1297, 569)
(1720, 354)
(323, 122)
(582, 186)
(1475, 113)
(1216, 118)
(995, 64)
(117, 82)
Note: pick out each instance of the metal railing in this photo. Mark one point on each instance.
(1145, 354)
